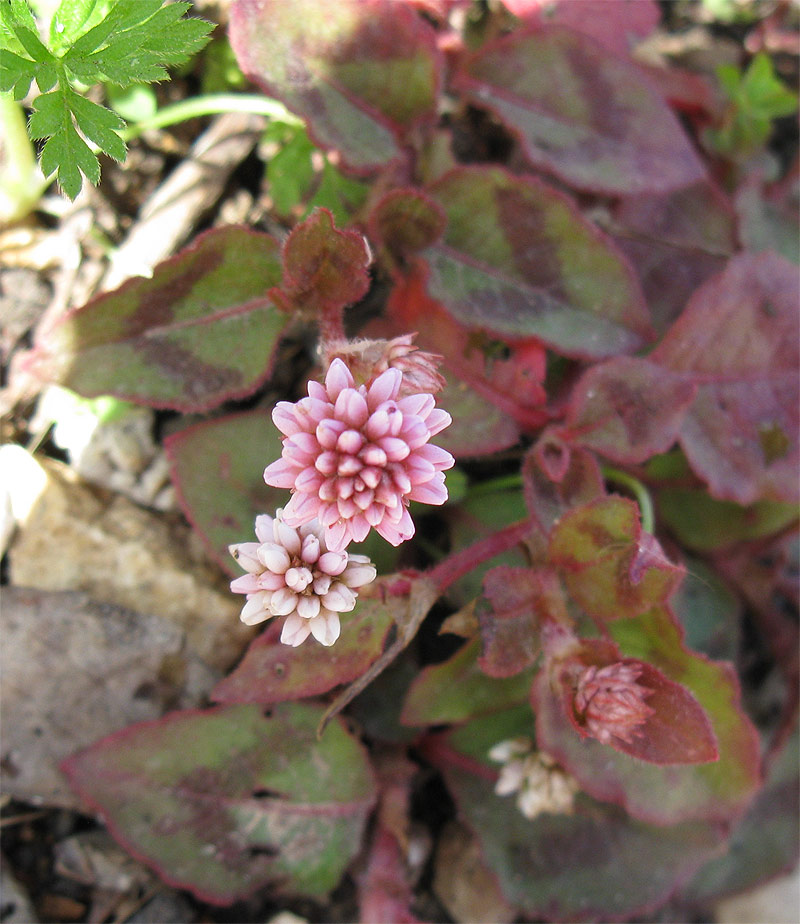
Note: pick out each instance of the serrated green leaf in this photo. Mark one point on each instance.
(65, 153)
(32, 44)
(99, 125)
(16, 74)
(68, 21)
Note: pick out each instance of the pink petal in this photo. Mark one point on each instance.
(371, 477)
(308, 607)
(281, 473)
(337, 379)
(329, 490)
(375, 455)
(325, 628)
(358, 574)
(419, 470)
(352, 408)
(437, 420)
(350, 442)
(308, 481)
(396, 449)
(395, 533)
(385, 387)
(337, 535)
(378, 424)
(300, 509)
(339, 598)
(329, 515)
(328, 432)
(432, 492)
(284, 418)
(286, 535)
(302, 445)
(295, 631)
(416, 405)
(264, 531)
(359, 527)
(246, 553)
(374, 514)
(246, 584)
(255, 610)
(317, 392)
(346, 507)
(326, 463)
(270, 581)
(310, 549)
(333, 563)
(438, 457)
(414, 432)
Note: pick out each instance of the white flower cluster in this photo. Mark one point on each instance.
(541, 786)
(291, 572)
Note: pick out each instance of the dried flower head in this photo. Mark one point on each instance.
(541, 785)
(367, 359)
(611, 701)
(354, 457)
(291, 572)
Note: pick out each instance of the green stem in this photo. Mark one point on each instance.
(20, 181)
(638, 490)
(211, 104)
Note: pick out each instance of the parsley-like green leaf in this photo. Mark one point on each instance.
(121, 42)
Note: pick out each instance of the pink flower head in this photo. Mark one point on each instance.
(611, 701)
(291, 572)
(354, 457)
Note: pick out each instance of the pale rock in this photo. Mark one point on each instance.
(78, 538)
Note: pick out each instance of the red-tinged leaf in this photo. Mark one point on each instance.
(616, 24)
(606, 129)
(664, 795)
(479, 427)
(596, 863)
(363, 77)
(764, 843)
(627, 409)
(200, 331)
(705, 524)
(670, 729)
(217, 468)
(557, 478)
(406, 221)
(385, 893)
(510, 614)
(519, 260)
(676, 240)
(739, 340)
(611, 568)
(324, 268)
(768, 214)
(709, 612)
(457, 689)
(224, 801)
(272, 673)
(512, 382)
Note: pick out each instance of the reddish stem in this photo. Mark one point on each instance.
(460, 563)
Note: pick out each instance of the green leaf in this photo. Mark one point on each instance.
(16, 74)
(665, 795)
(364, 76)
(290, 172)
(99, 125)
(200, 331)
(612, 569)
(65, 153)
(703, 523)
(225, 801)
(580, 112)
(518, 259)
(271, 672)
(594, 864)
(69, 20)
(457, 689)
